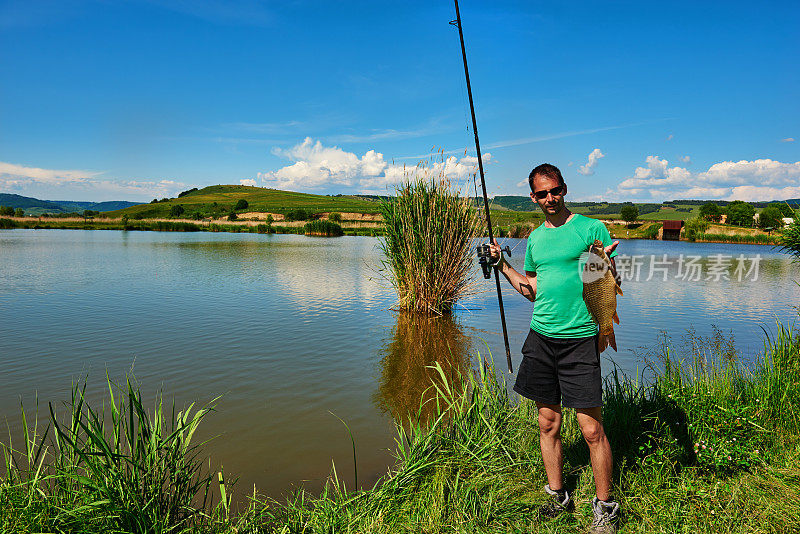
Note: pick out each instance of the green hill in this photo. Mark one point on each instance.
(218, 200)
(35, 206)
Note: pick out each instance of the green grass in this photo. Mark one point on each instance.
(218, 200)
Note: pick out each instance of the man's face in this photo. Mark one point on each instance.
(546, 193)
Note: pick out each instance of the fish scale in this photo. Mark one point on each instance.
(600, 291)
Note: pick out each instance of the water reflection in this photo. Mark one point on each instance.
(417, 343)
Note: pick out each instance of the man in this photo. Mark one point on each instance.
(561, 355)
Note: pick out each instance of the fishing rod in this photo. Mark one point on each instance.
(483, 249)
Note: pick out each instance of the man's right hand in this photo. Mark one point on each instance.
(496, 252)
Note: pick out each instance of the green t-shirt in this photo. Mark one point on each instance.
(554, 254)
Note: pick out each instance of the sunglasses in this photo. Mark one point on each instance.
(556, 191)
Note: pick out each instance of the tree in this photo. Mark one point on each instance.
(740, 213)
(19, 212)
(6, 210)
(786, 209)
(629, 213)
(335, 216)
(296, 215)
(176, 210)
(241, 204)
(710, 212)
(770, 217)
(232, 216)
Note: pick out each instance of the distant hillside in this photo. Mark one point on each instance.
(219, 200)
(35, 206)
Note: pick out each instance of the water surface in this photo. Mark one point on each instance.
(296, 332)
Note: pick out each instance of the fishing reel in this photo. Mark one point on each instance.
(485, 258)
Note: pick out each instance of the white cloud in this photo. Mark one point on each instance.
(248, 181)
(686, 159)
(594, 157)
(787, 140)
(670, 137)
(79, 184)
(318, 166)
(761, 179)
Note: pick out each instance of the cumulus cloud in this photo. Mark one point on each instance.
(248, 181)
(594, 157)
(761, 179)
(79, 184)
(787, 140)
(317, 166)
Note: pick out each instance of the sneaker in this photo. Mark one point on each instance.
(606, 514)
(559, 502)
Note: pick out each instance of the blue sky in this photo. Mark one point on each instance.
(131, 100)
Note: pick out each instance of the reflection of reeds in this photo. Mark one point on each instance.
(428, 248)
(417, 343)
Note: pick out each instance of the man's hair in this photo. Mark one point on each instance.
(545, 169)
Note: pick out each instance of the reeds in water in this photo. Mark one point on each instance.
(429, 228)
(322, 228)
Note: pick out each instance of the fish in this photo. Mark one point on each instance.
(600, 291)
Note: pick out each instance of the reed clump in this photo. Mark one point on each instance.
(427, 246)
(322, 228)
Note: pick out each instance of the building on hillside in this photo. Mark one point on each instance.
(787, 221)
(671, 230)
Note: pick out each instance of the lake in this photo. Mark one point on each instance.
(296, 332)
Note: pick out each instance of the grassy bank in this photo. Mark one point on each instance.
(708, 444)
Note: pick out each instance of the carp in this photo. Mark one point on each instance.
(600, 291)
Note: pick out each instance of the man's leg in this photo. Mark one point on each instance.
(550, 442)
(591, 423)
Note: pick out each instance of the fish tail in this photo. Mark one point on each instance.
(616, 317)
(612, 340)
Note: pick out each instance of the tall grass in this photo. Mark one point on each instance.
(759, 239)
(427, 246)
(790, 239)
(116, 469)
(323, 228)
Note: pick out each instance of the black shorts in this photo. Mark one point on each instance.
(560, 371)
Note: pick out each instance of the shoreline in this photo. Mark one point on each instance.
(352, 228)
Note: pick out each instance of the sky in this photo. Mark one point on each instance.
(633, 101)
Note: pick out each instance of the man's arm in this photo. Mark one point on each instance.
(525, 284)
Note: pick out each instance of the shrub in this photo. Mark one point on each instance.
(6, 210)
(138, 216)
(428, 243)
(176, 210)
(335, 217)
(323, 229)
(629, 213)
(694, 227)
(232, 216)
(7, 224)
(651, 232)
(297, 215)
(770, 217)
(197, 216)
(710, 212)
(19, 212)
(740, 213)
(241, 204)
